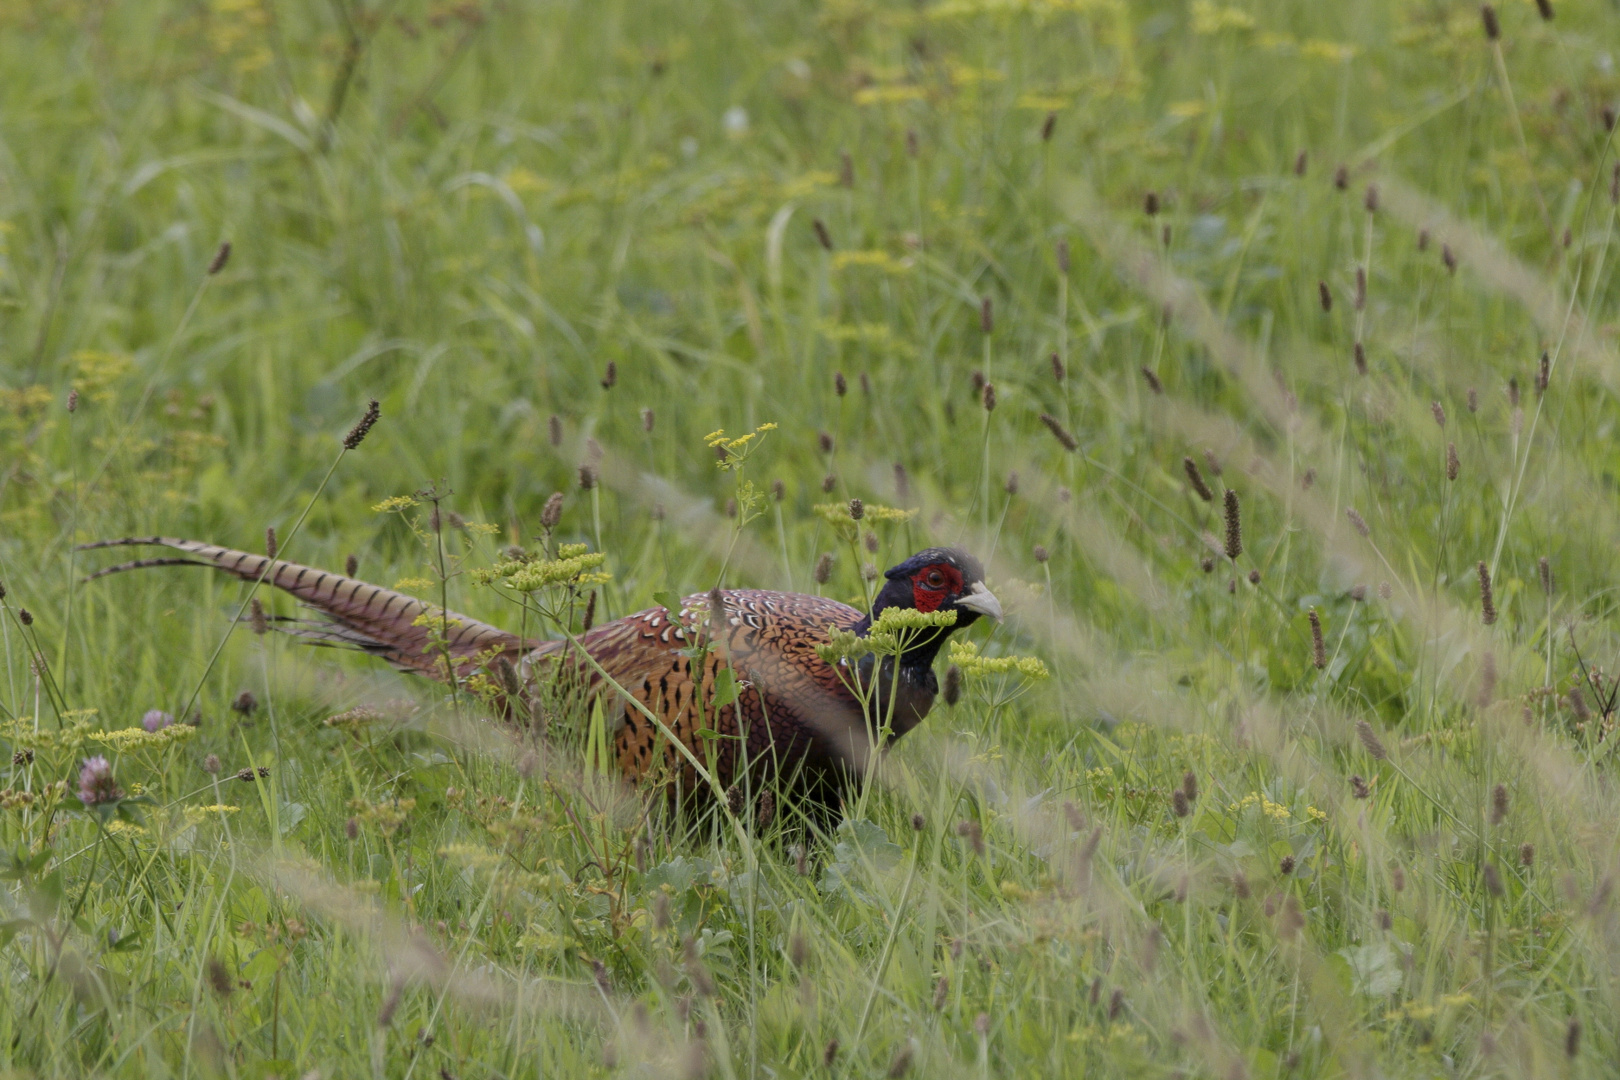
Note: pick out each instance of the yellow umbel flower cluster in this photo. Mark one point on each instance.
(966, 655)
(125, 739)
(574, 565)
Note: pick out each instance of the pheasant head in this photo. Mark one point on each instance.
(938, 579)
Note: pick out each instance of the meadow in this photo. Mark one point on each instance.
(1266, 351)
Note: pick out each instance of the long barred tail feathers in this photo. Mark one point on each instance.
(359, 615)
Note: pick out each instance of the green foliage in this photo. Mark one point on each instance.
(568, 247)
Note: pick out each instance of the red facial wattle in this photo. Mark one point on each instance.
(933, 585)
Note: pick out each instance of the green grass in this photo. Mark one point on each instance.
(506, 198)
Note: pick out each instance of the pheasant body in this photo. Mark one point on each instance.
(795, 716)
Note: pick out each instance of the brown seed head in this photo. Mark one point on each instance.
(361, 429)
(1499, 804)
(1254, 577)
(1357, 522)
(1062, 434)
(823, 570)
(1341, 177)
(1493, 28)
(829, 1053)
(257, 618)
(1058, 371)
(988, 397)
(1487, 602)
(221, 257)
(1152, 380)
(73, 400)
(1359, 788)
(1545, 9)
(1493, 880)
(829, 482)
(219, 977)
(840, 384)
(1369, 740)
(971, 831)
(1423, 240)
(1196, 479)
(857, 509)
(1189, 785)
(1325, 295)
(551, 513)
(1358, 593)
(942, 990)
(1438, 411)
(1449, 258)
(1150, 203)
(1361, 288)
(1513, 391)
(1234, 525)
(1178, 803)
(25, 616)
(1063, 256)
(554, 429)
(610, 376)
(1543, 374)
(846, 169)
(1527, 854)
(1360, 355)
(1544, 565)
(823, 237)
(1012, 483)
(1572, 1033)
(587, 478)
(900, 1064)
(1049, 126)
(1318, 645)
(1370, 200)
(1301, 162)
(1041, 554)
(952, 692)
(1453, 465)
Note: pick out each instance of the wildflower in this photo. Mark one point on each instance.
(363, 428)
(96, 784)
(1234, 525)
(1196, 479)
(156, 720)
(1487, 603)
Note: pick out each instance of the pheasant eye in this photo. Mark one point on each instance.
(934, 580)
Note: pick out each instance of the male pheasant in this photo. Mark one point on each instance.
(797, 717)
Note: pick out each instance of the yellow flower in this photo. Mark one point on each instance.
(393, 503)
(412, 584)
(140, 739)
(196, 815)
(1209, 18)
(965, 655)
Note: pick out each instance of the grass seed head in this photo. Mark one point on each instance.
(1012, 483)
(1179, 804)
(1493, 28)
(1062, 258)
(554, 429)
(1196, 479)
(1341, 177)
(1438, 411)
(1325, 295)
(1150, 204)
(221, 257)
(1487, 602)
(902, 483)
(1453, 465)
(73, 400)
(1473, 400)
(610, 375)
(1544, 566)
(1369, 740)
(1572, 1033)
(1361, 288)
(824, 441)
(1493, 880)
(1189, 785)
(1527, 854)
(900, 1064)
(1234, 525)
(1449, 258)
(840, 384)
(270, 542)
(1370, 199)
(219, 977)
(1301, 162)
(362, 428)
(1041, 554)
(1058, 372)
(829, 1053)
(987, 397)
(1360, 355)
(257, 618)
(1359, 788)
(987, 320)
(942, 991)
(823, 571)
(1357, 522)
(846, 169)
(823, 237)
(829, 482)
(1545, 9)
(1152, 380)
(1063, 435)
(351, 565)
(1048, 126)
(1318, 646)
(1499, 804)
(1543, 374)
(551, 513)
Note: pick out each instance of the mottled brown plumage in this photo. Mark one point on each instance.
(796, 717)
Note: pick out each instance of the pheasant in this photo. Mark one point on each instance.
(797, 717)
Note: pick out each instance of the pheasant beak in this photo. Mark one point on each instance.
(981, 600)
